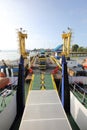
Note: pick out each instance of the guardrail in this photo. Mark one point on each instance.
(79, 54)
(56, 61)
(80, 92)
(4, 94)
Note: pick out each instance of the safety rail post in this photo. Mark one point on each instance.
(74, 87)
(83, 99)
(20, 88)
(78, 89)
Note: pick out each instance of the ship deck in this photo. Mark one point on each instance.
(43, 109)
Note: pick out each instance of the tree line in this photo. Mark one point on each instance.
(77, 48)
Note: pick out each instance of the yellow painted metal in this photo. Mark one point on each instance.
(32, 61)
(42, 82)
(56, 61)
(30, 86)
(43, 88)
(42, 62)
(22, 37)
(54, 85)
(42, 76)
(66, 43)
(42, 67)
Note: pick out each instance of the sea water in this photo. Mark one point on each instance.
(12, 54)
(9, 55)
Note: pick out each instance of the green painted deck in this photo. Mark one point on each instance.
(38, 81)
(48, 81)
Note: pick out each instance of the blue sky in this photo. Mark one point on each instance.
(44, 20)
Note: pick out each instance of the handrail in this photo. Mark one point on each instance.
(56, 61)
(81, 93)
(80, 87)
(8, 91)
(11, 85)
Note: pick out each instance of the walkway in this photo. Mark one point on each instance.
(43, 109)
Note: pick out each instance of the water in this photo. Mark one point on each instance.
(12, 55)
(9, 55)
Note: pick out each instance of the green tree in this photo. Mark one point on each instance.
(85, 49)
(75, 47)
(81, 49)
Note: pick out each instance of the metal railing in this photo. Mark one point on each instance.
(7, 93)
(80, 91)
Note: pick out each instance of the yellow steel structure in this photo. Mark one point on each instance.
(56, 61)
(22, 37)
(66, 43)
(42, 62)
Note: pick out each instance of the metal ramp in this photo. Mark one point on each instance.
(44, 111)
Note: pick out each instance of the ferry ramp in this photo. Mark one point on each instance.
(43, 110)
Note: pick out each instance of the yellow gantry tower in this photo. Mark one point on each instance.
(22, 37)
(66, 43)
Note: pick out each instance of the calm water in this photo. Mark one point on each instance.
(12, 55)
(9, 55)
